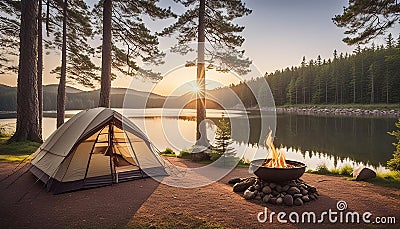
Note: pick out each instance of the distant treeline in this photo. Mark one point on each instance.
(369, 75)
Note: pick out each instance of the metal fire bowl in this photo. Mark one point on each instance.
(277, 174)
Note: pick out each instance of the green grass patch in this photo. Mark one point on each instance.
(378, 106)
(168, 152)
(177, 221)
(185, 154)
(387, 179)
(16, 151)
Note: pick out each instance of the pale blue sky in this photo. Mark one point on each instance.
(278, 34)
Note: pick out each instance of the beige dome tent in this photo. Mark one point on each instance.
(94, 148)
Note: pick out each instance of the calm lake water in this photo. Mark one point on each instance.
(314, 139)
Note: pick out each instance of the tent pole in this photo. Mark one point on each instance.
(110, 148)
(130, 143)
(90, 157)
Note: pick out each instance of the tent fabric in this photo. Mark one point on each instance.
(94, 148)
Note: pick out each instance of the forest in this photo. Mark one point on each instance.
(369, 75)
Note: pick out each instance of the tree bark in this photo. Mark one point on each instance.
(106, 57)
(40, 68)
(27, 97)
(61, 95)
(201, 135)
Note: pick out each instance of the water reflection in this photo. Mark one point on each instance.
(332, 140)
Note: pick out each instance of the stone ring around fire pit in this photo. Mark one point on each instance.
(277, 174)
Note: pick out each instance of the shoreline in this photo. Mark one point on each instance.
(339, 111)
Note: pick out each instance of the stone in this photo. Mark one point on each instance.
(298, 202)
(278, 188)
(266, 190)
(304, 192)
(272, 185)
(293, 190)
(292, 183)
(258, 197)
(234, 180)
(257, 187)
(305, 198)
(279, 200)
(285, 188)
(363, 174)
(272, 200)
(312, 197)
(275, 193)
(266, 198)
(298, 195)
(312, 189)
(288, 200)
(243, 185)
(248, 195)
(252, 188)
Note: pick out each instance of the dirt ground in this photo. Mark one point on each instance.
(146, 202)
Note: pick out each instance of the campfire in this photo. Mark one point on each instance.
(275, 167)
(278, 180)
(278, 159)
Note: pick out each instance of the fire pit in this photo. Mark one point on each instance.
(277, 174)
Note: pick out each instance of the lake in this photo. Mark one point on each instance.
(314, 139)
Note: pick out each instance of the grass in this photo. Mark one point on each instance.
(168, 152)
(16, 151)
(179, 220)
(387, 179)
(378, 106)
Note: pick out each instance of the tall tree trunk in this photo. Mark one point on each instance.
(61, 96)
(40, 68)
(201, 135)
(106, 58)
(27, 100)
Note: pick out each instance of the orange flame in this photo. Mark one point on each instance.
(278, 159)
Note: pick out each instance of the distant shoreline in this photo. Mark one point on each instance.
(340, 111)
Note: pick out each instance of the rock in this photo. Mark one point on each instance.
(293, 190)
(258, 197)
(272, 185)
(288, 200)
(266, 190)
(312, 189)
(285, 188)
(312, 197)
(298, 202)
(279, 200)
(266, 198)
(257, 187)
(304, 192)
(252, 188)
(275, 193)
(234, 180)
(363, 173)
(305, 198)
(292, 183)
(272, 200)
(278, 188)
(298, 195)
(248, 195)
(243, 185)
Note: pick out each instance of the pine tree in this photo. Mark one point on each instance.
(223, 139)
(394, 163)
(210, 21)
(360, 19)
(70, 24)
(9, 34)
(126, 39)
(27, 100)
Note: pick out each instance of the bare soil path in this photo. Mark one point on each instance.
(146, 202)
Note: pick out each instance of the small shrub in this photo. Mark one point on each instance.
(394, 163)
(322, 169)
(185, 154)
(346, 170)
(167, 151)
(215, 155)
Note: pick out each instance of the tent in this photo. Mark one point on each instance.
(96, 147)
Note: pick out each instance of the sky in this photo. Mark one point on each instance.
(278, 34)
